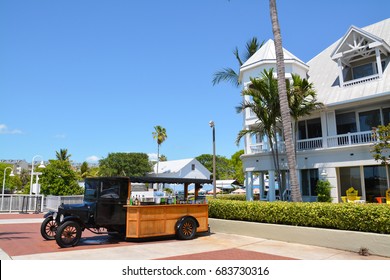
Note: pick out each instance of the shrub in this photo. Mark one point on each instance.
(344, 216)
(323, 191)
(240, 197)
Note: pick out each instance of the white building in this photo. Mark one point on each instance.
(184, 168)
(352, 78)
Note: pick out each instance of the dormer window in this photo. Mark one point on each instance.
(361, 57)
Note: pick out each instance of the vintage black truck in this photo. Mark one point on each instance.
(109, 208)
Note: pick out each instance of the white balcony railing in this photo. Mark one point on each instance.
(264, 147)
(361, 80)
(349, 139)
(309, 144)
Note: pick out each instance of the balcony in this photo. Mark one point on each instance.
(349, 139)
(361, 80)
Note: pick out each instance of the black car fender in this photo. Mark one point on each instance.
(74, 219)
(49, 214)
(182, 219)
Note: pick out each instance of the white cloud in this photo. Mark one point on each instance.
(92, 159)
(152, 156)
(5, 130)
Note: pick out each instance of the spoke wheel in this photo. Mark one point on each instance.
(68, 234)
(187, 229)
(49, 228)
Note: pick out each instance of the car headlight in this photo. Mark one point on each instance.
(54, 215)
(61, 218)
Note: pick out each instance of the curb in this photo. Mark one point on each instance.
(376, 244)
(4, 256)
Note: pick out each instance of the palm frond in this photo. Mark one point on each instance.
(252, 46)
(227, 74)
(237, 55)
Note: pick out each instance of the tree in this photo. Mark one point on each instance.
(381, 149)
(284, 107)
(125, 164)
(163, 158)
(323, 188)
(84, 170)
(237, 166)
(11, 182)
(58, 178)
(63, 155)
(24, 177)
(228, 74)
(224, 169)
(302, 100)
(159, 134)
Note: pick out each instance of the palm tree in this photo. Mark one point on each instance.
(228, 74)
(84, 169)
(160, 134)
(62, 155)
(265, 105)
(286, 118)
(302, 101)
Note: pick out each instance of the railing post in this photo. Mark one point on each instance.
(10, 203)
(25, 202)
(349, 138)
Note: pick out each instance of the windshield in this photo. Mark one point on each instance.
(91, 188)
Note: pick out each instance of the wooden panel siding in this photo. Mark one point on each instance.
(159, 220)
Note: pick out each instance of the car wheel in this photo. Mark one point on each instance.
(49, 228)
(68, 234)
(186, 229)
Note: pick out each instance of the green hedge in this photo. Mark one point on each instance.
(346, 216)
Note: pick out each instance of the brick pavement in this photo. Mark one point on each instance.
(20, 239)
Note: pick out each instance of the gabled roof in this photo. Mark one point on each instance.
(324, 72)
(266, 54)
(172, 166)
(357, 44)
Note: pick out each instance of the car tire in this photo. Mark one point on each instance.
(68, 234)
(49, 228)
(186, 228)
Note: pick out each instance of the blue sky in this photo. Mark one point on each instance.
(96, 76)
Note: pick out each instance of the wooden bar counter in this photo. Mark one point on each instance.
(160, 220)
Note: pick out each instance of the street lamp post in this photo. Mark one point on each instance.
(212, 125)
(32, 175)
(32, 171)
(2, 192)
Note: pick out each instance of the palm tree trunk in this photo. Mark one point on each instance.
(158, 157)
(284, 108)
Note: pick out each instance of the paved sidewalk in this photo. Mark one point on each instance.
(216, 246)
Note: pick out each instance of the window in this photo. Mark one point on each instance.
(309, 178)
(110, 189)
(362, 71)
(193, 167)
(386, 116)
(350, 177)
(309, 129)
(346, 122)
(369, 119)
(375, 182)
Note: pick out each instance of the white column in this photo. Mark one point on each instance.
(324, 130)
(378, 62)
(271, 188)
(261, 185)
(249, 185)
